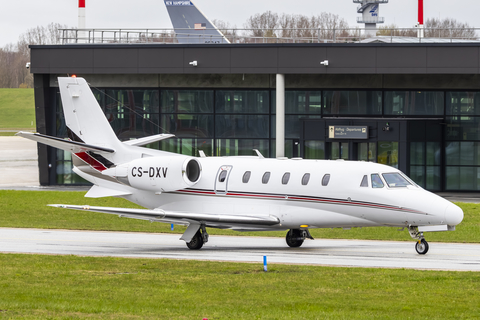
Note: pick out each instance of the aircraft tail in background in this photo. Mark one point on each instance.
(191, 25)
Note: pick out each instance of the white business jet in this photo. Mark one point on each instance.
(240, 193)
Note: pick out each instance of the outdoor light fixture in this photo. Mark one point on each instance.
(194, 63)
(324, 62)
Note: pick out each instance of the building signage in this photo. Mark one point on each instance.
(348, 132)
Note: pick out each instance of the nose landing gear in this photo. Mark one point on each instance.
(422, 245)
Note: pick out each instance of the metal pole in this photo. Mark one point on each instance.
(280, 115)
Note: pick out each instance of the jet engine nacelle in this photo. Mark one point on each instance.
(158, 174)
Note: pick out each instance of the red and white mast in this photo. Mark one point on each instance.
(420, 30)
(81, 21)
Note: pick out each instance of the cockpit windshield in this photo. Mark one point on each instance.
(395, 180)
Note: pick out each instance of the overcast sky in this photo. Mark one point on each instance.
(17, 16)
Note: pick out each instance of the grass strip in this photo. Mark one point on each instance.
(28, 209)
(17, 109)
(69, 287)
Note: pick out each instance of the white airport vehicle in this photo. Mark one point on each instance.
(243, 192)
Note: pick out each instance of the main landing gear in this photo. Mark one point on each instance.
(295, 237)
(422, 245)
(198, 239)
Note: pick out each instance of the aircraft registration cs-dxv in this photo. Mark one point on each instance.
(242, 193)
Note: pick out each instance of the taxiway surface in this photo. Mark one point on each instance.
(351, 253)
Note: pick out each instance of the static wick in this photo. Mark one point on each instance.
(265, 263)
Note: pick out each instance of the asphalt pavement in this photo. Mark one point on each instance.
(322, 252)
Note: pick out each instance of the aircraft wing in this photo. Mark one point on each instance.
(187, 217)
(67, 145)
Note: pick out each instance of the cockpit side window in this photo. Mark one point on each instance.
(364, 182)
(326, 179)
(395, 180)
(376, 181)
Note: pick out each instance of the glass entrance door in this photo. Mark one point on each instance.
(388, 153)
(339, 150)
(367, 151)
(384, 152)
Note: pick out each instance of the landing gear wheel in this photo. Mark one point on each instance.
(197, 242)
(294, 238)
(421, 246)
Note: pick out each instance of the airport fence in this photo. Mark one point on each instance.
(252, 36)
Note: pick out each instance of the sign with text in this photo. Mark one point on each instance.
(348, 132)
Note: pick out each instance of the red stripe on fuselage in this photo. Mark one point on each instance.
(300, 198)
(94, 163)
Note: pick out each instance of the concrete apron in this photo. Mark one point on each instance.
(18, 162)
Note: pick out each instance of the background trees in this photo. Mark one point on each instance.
(295, 26)
(14, 57)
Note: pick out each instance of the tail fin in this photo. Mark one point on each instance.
(191, 25)
(83, 115)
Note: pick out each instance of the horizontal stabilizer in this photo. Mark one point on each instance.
(149, 139)
(158, 214)
(67, 145)
(100, 192)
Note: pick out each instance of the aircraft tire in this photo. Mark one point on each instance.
(292, 238)
(421, 246)
(196, 243)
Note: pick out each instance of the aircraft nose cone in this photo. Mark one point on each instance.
(453, 215)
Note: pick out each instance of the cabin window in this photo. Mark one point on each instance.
(376, 181)
(305, 179)
(266, 177)
(325, 179)
(364, 182)
(285, 178)
(395, 180)
(222, 176)
(246, 176)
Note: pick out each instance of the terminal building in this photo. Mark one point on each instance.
(418, 104)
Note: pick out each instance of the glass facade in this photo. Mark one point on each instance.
(223, 122)
(425, 164)
(358, 102)
(462, 140)
(411, 103)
